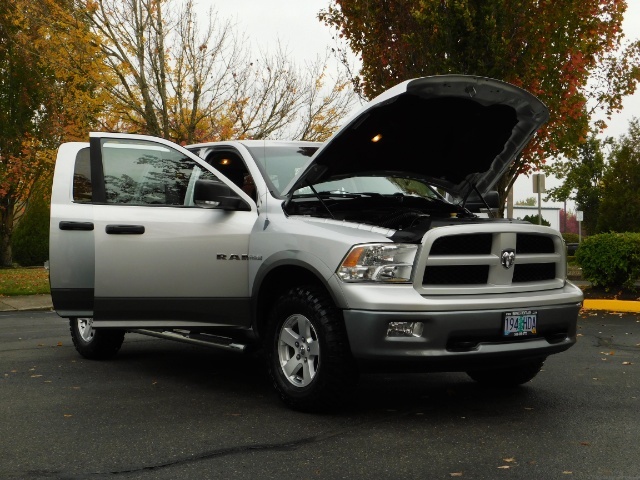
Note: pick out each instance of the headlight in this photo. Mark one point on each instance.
(379, 262)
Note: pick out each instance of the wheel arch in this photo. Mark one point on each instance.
(282, 275)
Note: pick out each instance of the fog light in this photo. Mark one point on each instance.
(405, 329)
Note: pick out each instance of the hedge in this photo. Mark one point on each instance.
(30, 239)
(610, 260)
(570, 237)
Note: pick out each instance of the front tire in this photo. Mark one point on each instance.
(308, 354)
(94, 343)
(508, 376)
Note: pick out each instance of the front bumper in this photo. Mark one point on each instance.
(456, 340)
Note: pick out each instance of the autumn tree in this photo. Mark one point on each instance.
(190, 80)
(582, 179)
(49, 76)
(620, 202)
(571, 54)
(569, 223)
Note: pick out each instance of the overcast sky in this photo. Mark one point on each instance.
(295, 25)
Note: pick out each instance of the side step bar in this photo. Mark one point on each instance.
(202, 339)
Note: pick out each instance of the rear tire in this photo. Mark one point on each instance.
(509, 376)
(307, 349)
(94, 343)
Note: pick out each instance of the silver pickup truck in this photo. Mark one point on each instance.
(358, 254)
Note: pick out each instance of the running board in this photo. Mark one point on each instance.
(202, 339)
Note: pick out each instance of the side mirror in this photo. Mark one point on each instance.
(475, 204)
(212, 194)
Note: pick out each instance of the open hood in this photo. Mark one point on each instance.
(455, 131)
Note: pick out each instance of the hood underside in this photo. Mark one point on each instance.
(455, 131)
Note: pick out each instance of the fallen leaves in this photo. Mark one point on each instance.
(510, 460)
(24, 281)
(455, 474)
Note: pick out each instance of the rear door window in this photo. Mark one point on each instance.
(82, 191)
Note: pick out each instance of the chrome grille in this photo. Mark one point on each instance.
(467, 259)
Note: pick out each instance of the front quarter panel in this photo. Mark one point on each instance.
(316, 246)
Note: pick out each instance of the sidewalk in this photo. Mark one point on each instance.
(25, 302)
(43, 302)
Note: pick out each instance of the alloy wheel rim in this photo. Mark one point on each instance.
(298, 350)
(85, 328)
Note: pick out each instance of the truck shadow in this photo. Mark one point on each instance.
(243, 377)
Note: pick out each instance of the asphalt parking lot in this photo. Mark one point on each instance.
(164, 410)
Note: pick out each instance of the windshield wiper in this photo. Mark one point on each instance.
(326, 193)
(338, 193)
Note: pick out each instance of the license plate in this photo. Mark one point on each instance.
(520, 323)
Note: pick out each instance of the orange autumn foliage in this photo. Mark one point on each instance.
(571, 54)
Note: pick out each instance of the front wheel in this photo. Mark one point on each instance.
(508, 376)
(94, 343)
(308, 354)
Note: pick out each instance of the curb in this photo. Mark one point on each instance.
(612, 305)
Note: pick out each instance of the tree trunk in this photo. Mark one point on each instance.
(6, 229)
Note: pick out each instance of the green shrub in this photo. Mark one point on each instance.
(610, 260)
(570, 237)
(30, 240)
(534, 219)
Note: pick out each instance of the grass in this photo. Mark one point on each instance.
(23, 281)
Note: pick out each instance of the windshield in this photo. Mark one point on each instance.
(281, 162)
(374, 185)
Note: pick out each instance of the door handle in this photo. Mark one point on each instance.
(66, 225)
(124, 229)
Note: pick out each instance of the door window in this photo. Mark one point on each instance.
(138, 172)
(82, 190)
